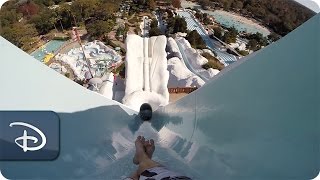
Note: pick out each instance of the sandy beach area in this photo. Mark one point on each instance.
(242, 19)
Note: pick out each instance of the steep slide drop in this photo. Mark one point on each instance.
(259, 119)
(146, 72)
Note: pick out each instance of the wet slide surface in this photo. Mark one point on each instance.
(146, 72)
(247, 123)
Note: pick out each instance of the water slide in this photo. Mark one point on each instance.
(187, 61)
(193, 24)
(258, 119)
(146, 72)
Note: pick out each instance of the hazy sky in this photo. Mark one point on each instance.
(312, 4)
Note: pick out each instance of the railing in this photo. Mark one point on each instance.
(186, 90)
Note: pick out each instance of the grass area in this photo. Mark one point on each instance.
(213, 62)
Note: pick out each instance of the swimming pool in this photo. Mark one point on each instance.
(50, 47)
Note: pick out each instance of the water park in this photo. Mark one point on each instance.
(90, 60)
(229, 19)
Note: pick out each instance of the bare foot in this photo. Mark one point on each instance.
(140, 150)
(135, 176)
(149, 147)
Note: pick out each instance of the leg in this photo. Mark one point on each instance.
(135, 158)
(144, 152)
(149, 148)
(135, 176)
(142, 158)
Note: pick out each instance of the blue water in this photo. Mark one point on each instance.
(50, 47)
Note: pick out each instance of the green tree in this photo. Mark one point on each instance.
(217, 32)
(242, 52)
(43, 21)
(204, 3)
(105, 11)
(8, 17)
(253, 45)
(120, 31)
(237, 5)
(199, 15)
(53, 21)
(141, 2)
(176, 3)
(154, 31)
(154, 23)
(176, 24)
(67, 18)
(230, 36)
(151, 4)
(195, 40)
(59, 19)
(180, 25)
(261, 40)
(98, 29)
(206, 20)
(84, 9)
(28, 8)
(21, 35)
(226, 5)
(273, 37)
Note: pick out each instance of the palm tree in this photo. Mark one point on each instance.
(53, 21)
(59, 18)
(67, 9)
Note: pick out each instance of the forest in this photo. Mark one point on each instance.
(23, 22)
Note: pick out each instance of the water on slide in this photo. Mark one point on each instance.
(258, 119)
